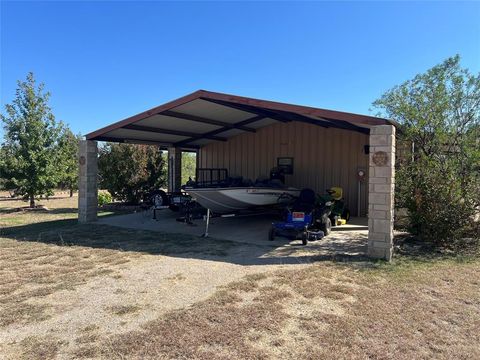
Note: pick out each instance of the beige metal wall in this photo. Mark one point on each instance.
(322, 157)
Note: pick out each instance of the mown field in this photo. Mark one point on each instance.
(95, 291)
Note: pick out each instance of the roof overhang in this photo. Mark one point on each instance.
(202, 117)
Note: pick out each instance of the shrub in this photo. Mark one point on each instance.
(129, 172)
(438, 181)
(104, 198)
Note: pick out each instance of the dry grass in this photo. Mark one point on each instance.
(48, 251)
(409, 309)
(415, 310)
(44, 261)
(123, 309)
(39, 348)
(31, 271)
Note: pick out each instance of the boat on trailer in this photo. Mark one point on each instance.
(214, 190)
(233, 199)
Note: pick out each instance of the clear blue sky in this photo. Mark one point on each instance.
(104, 61)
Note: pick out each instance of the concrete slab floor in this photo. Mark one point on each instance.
(251, 233)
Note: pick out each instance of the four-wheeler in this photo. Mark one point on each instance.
(306, 217)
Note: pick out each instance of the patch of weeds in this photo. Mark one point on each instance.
(248, 283)
(176, 277)
(15, 313)
(36, 347)
(124, 309)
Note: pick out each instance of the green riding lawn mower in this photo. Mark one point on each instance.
(340, 214)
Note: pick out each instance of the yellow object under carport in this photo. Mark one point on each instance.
(337, 193)
(341, 221)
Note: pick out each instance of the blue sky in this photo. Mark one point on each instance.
(105, 61)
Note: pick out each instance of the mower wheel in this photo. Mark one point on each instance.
(304, 238)
(327, 227)
(271, 234)
(333, 220)
(346, 215)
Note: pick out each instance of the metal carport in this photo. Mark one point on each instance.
(246, 135)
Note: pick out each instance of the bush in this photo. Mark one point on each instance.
(104, 198)
(438, 180)
(129, 172)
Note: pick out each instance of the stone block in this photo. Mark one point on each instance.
(377, 199)
(382, 130)
(377, 180)
(382, 226)
(381, 207)
(379, 140)
(378, 214)
(381, 244)
(381, 188)
(383, 171)
(373, 236)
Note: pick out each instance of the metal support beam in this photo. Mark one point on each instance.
(286, 116)
(205, 120)
(218, 131)
(248, 108)
(172, 132)
(140, 142)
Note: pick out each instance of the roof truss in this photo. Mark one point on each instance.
(260, 109)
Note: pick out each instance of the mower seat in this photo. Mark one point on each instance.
(305, 201)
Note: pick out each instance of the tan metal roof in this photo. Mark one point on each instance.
(204, 116)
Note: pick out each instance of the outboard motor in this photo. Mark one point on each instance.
(277, 174)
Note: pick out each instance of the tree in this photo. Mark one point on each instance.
(30, 149)
(189, 164)
(130, 172)
(68, 172)
(439, 182)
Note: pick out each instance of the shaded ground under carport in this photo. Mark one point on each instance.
(347, 242)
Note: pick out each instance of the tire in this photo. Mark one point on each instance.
(271, 234)
(346, 214)
(333, 220)
(327, 227)
(159, 198)
(304, 238)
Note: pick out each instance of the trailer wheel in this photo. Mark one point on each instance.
(304, 238)
(271, 234)
(159, 198)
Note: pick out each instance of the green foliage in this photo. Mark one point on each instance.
(439, 181)
(104, 198)
(129, 172)
(189, 164)
(68, 164)
(30, 153)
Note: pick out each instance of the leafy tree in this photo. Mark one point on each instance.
(30, 151)
(68, 172)
(129, 172)
(189, 164)
(438, 182)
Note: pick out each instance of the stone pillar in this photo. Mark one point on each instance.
(87, 181)
(381, 192)
(174, 169)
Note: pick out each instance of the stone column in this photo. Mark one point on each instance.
(174, 169)
(381, 192)
(87, 181)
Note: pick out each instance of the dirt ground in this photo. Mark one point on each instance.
(96, 291)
